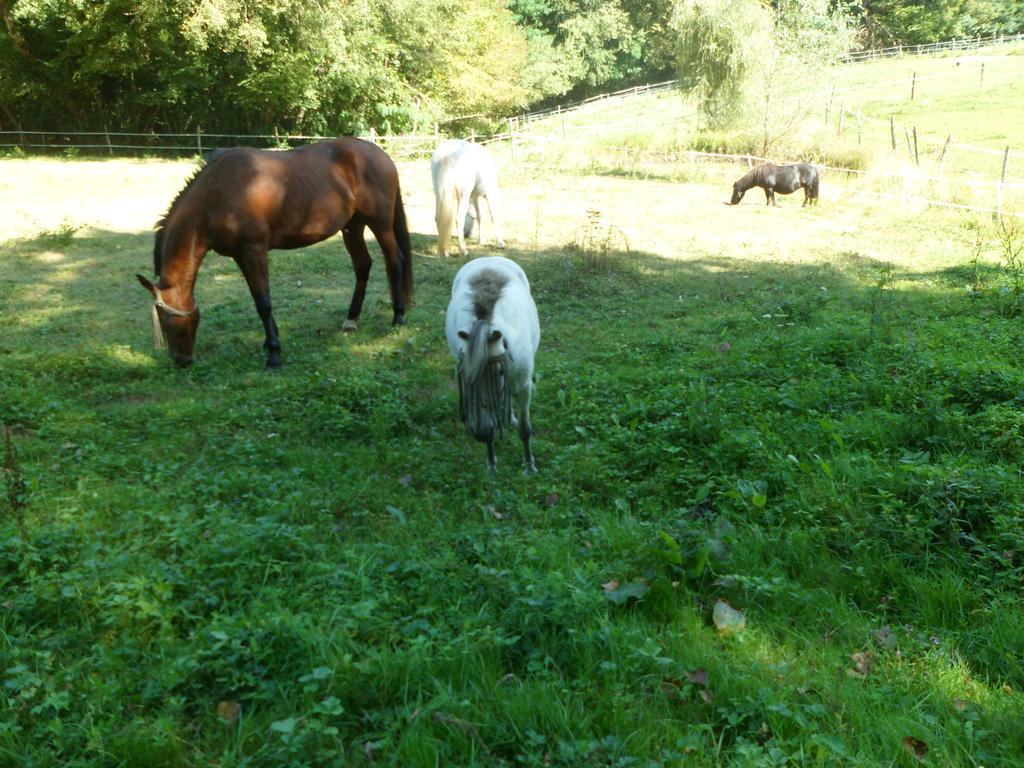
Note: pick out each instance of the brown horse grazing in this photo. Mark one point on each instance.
(244, 202)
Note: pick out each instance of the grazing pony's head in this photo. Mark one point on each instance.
(737, 194)
(484, 400)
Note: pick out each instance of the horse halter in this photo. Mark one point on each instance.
(489, 392)
(160, 304)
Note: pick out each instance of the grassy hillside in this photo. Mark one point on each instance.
(952, 97)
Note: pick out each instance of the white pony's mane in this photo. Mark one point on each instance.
(486, 290)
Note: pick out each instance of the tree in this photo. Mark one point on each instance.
(891, 22)
(720, 44)
(255, 65)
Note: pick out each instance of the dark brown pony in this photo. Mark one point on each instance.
(784, 179)
(244, 202)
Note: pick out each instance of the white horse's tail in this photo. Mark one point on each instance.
(446, 202)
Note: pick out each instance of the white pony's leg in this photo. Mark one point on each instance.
(479, 220)
(461, 217)
(494, 218)
(522, 418)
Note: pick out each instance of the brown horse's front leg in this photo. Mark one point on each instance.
(769, 194)
(253, 264)
(355, 244)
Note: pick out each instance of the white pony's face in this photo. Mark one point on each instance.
(483, 383)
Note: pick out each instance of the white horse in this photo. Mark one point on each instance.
(463, 173)
(493, 333)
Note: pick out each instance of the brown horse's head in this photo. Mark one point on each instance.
(178, 325)
(737, 194)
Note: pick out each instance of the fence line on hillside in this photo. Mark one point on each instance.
(924, 48)
(980, 188)
(963, 44)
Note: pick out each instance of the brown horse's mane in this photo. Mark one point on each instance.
(158, 244)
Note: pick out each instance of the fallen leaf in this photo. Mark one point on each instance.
(671, 686)
(917, 748)
(698, 676)
(707, 695)
(727, 618)
(862, 663)
(284, 726)
(622, 594)
(229, 711)
(885, 637)
(610, 586)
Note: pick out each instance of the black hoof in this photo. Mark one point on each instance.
(274, 361)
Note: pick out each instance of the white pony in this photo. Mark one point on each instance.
(493, 333)
(463, 172)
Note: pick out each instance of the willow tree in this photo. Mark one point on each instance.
(720, 45)
(755, 66)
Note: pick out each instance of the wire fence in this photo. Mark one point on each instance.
(536, 132)
(964, 44)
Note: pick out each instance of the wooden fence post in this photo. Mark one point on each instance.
(910, 149)
(1002, 181)
(842, 116)
(106, 134)
(892, 132)
(373, 135)
(858, 128)
(199, 139)
(913, 86)
(917, 160)
(942, 156)
(981, 83)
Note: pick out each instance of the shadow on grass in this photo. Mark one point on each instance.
(831, 413)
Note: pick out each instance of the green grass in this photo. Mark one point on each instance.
(820, 426)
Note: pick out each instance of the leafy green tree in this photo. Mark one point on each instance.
(255, 65)
(592, 45)
(889, 22)
(720, 45)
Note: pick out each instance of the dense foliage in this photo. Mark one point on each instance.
(252, 66)
(889, 22)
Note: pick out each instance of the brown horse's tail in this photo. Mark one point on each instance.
(404, 244)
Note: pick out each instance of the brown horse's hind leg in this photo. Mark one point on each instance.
(253, 263)
(361, 263)
(393, 263)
